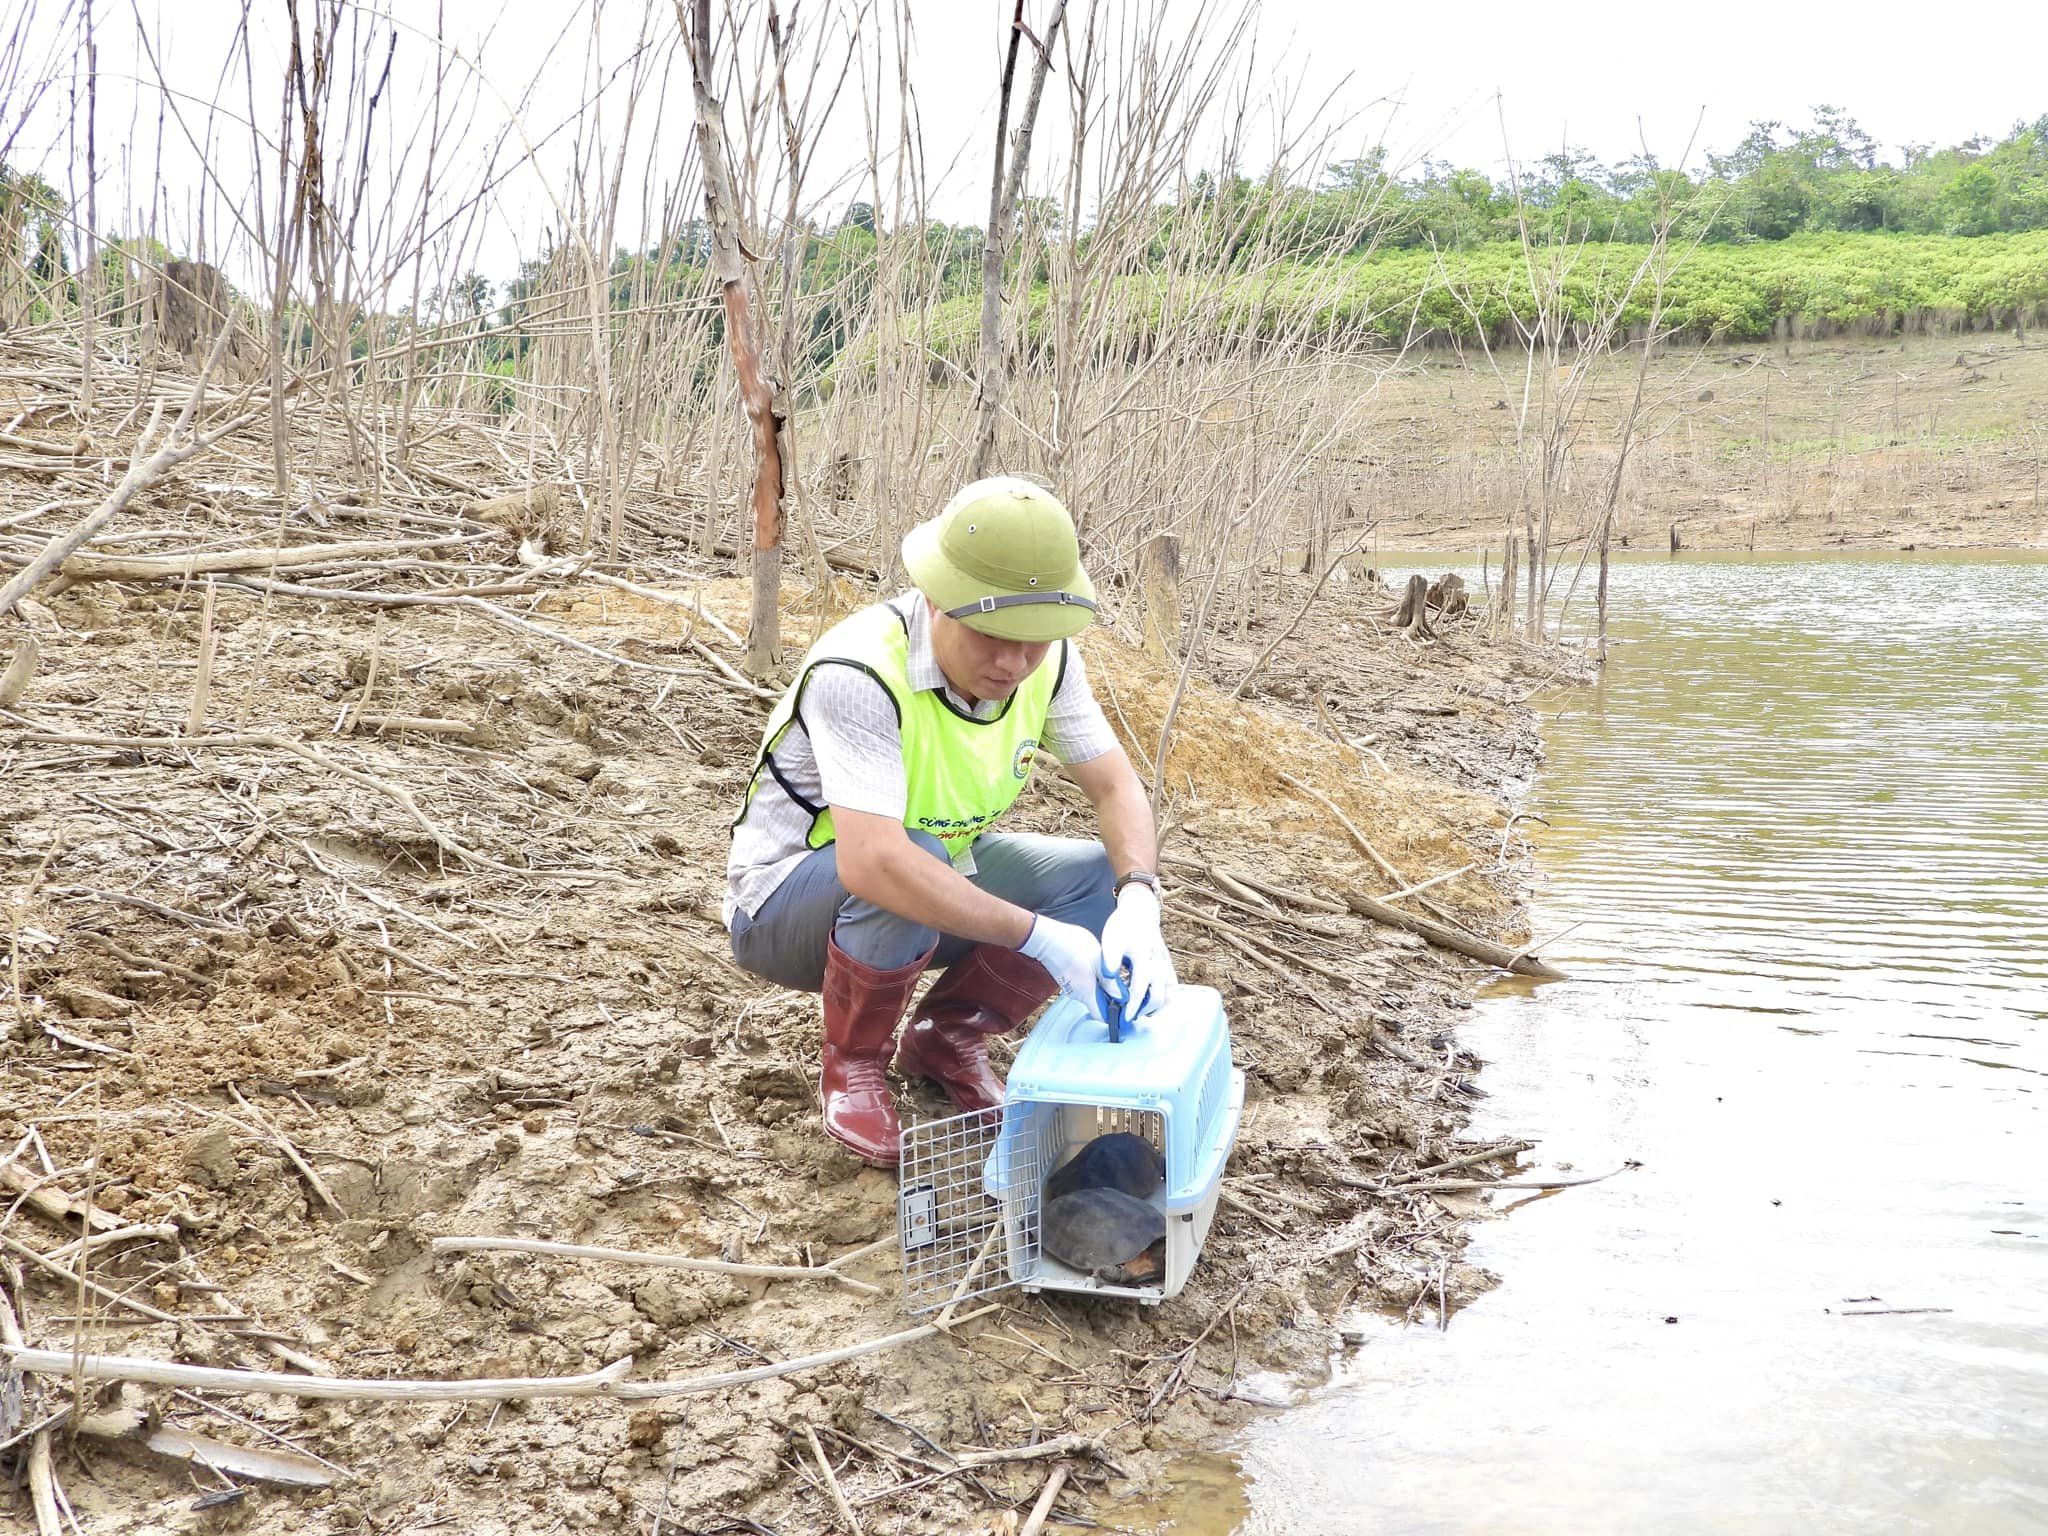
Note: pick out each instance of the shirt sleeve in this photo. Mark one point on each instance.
(851, 722)
(1075, 729)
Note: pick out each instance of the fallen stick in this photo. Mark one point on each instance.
(205, 1378)
(1483, 1155)
(195, 717)
(79, 1042)
(158, 1232)
(54, 1204)
(42, 1466)
(634, 1391)
(73, 1278)
(129, 957)
(1046, 1495)
(1447, 938)
(143, 904)
(945, 1318)
(1421, 886)
(1300, 899)
(1285, 956)
(426, 725)
(832, 1481)
(70, 450)
(298, 1161)
(861, 1252)
(496, 615)
(1187, 1355)
(1062, 1445)
(221, 561)
(1472, 1186)
(424, 923)
(141, 472)
(652, 1260)
(605, 1383)
(1365, 844)
(1248, 1209)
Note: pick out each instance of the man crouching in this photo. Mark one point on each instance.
(863, 855)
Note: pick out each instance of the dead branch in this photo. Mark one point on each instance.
(1062, 1445)
(651, 1260)
(42, 1468)
(832, 1481)
(1449, 938)
(291, 1152)
(608, 1382)
(214, 562)
(141, 473)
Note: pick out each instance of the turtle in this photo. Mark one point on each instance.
(1148, 1268)
(1100, 1229)
(1116, 1161)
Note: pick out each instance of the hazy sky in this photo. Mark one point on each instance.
(1442, 81)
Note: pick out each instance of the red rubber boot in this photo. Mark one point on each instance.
(862, 1008)
(989, 991)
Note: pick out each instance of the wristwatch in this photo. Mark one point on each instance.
(1136, 877)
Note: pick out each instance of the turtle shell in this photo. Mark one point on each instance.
(1116, 1161)
(1093, 1229)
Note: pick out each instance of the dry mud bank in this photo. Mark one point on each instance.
(1925, 442)
(437, 906)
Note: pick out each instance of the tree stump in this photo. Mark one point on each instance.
(1412, 616)
(1159, 588)
(188, 306)
(1447, 594)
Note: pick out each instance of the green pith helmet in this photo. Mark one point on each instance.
(1003, 559)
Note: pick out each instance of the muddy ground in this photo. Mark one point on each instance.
(461, 950)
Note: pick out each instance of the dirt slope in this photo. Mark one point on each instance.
(473, 972)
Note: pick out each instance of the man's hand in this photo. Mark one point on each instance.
(1073, 958)
(1131, 940)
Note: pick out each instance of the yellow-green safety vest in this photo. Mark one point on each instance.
(962, 772)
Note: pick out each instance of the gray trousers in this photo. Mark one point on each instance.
(1060, 877)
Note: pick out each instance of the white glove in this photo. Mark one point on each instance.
(1072, 956)
(1131, 941)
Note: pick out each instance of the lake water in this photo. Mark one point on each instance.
(1802, 822)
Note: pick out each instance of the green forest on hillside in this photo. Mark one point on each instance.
(1797, 230)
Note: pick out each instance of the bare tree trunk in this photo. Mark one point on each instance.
(722, 212)
(792, 257)
(89, 279)
(1004, 192)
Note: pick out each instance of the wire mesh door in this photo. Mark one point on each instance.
(961, 1207)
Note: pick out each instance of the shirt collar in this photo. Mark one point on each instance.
(926, 675)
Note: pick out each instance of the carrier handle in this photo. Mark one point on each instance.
(1111, 991)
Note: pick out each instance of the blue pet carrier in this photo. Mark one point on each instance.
(972, 1195)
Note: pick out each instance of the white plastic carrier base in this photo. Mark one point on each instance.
(971, 1197)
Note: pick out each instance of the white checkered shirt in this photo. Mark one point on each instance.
(848, 752)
